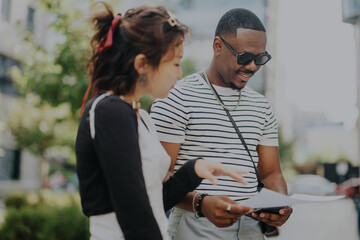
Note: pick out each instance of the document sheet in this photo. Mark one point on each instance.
(268, 198)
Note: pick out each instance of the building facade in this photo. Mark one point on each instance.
(19, 170)
(351, 15)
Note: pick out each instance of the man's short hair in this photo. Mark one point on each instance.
(238, 18)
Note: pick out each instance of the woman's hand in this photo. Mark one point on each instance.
(168, 175)
(209, 170)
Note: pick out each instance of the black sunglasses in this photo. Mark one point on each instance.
(244, 58)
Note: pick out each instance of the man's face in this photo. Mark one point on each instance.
(230, 73)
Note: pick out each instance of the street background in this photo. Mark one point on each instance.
(312, 82)
(332, 220)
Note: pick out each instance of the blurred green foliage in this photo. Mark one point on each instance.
(286, 152)
(43, 215)
(53, 80)
(40, 126)
(188, 66)
(2, 128)
(286, 149)
(16, 200)
(57, 73)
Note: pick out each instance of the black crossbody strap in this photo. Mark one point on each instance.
(260, 184)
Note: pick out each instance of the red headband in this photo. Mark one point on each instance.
(108, 38)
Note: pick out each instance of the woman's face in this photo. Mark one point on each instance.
(162, 79)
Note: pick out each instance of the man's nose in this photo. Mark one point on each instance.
(252, 66)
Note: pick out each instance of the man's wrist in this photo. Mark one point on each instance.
(199, 201)
(194, 201)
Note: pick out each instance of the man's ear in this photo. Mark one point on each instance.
(217, 46)
(141, 63)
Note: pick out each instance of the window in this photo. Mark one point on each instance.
(30, 19)
(186, 4)
(6, 84)
(350, 11)
(10, 165)
(5, 10)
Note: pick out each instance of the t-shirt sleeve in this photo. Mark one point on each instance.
(116, 144)
(170, 116)
(183, 181)
(270, 130)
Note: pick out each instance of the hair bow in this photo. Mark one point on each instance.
(108, 39)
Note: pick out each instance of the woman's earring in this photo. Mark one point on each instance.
(142, 80)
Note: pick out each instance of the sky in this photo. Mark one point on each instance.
(316, 59)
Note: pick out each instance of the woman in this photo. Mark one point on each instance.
(120, 162)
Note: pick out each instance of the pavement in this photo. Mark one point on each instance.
(335, 220)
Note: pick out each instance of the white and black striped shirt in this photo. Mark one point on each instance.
(191, 115)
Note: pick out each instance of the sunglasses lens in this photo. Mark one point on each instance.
(244, 58)
(262, 59)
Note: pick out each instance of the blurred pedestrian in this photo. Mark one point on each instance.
(120, 162)
(212, 114)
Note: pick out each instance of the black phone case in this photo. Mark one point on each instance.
(269, 210)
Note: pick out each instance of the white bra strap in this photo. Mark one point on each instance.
(92, 114)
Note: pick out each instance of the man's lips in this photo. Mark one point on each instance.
(245, 76)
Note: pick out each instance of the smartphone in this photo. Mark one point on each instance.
(268, 210)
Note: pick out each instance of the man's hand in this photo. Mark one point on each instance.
(274, 219)
(215, 208)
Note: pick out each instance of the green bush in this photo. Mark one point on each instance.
(44, 216)
(16, 200)
(24, 224)
(68, 224)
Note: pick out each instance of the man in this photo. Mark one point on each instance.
(192, 123)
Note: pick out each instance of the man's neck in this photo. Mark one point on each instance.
(214, 77)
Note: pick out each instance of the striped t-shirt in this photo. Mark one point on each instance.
(191, 115)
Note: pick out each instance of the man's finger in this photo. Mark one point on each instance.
(286, 211)
(272, 217)
(234, 208)
(237, 209)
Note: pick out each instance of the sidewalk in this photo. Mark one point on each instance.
(321, 221)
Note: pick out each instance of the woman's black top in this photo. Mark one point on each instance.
(110, 172)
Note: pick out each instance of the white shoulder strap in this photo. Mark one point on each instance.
(145, 117)
(92, 114)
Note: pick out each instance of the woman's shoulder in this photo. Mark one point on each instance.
(114, 106)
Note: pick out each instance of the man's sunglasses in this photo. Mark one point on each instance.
(244, 58)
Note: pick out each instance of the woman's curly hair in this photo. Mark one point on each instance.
(143, 30)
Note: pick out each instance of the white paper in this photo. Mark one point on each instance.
(267, 198)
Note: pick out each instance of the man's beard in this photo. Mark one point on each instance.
(233, 86)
